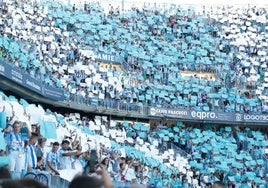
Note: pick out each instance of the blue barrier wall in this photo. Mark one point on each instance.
(21, 78)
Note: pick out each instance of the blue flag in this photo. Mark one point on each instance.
(3, 122)
(48, 129)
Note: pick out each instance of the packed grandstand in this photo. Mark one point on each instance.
(163, 95)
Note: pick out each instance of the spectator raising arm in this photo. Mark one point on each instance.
(72, 153)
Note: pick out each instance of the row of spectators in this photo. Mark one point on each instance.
(56, 42)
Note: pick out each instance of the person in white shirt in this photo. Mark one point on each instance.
(130, 175)
(15, 149)
(127, 172)
(65, 155)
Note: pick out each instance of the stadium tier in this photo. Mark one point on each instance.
(185, 69)
(141, 56)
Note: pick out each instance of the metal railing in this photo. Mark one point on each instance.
(47, 179)
(116, 104)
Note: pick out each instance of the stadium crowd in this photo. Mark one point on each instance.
(160, 154)
(56, 42)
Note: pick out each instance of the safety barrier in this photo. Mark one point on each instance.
(47, 179)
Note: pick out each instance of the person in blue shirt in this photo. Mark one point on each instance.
(53, 158)
(31, 154)
(114, 163)
(15, 149)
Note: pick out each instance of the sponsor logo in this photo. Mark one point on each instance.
(165, 112)
(204, 115)
(252, 117)
(33, 85)
(238, 117)
(177, 112)
(158, 111)
(153, 111)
